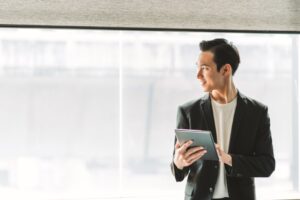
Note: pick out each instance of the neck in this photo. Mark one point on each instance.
(226, 94)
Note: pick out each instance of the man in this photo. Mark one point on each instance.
(240, 126)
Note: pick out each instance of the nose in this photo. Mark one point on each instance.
(199, 73)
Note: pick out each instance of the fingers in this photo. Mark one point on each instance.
(192, 158)
(219, 151)
(184, 147)
(192, 150)
(184, 157)
(177, 145)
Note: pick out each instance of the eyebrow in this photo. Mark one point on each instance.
(206, 65)
(203, 64)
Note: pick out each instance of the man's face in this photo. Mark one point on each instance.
(210, 79)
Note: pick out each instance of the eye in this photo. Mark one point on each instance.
(204, 67)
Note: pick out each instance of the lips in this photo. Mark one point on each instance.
(202, 82)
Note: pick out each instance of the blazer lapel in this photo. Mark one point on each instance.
(238, 116)
(208, 116)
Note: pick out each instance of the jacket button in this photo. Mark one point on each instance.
(210, 189)
(216, 166)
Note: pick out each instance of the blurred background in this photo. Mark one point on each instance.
(90, 114)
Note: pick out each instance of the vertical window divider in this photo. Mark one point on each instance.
(295, 122)
(120, 113)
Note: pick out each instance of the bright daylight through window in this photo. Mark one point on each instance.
(91, 113)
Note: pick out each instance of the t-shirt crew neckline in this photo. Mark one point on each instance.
(224, 104)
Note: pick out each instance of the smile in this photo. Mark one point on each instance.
(202, 82)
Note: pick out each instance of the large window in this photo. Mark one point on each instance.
(91, 113)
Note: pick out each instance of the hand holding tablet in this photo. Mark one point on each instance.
(200, 138)
(185, 155)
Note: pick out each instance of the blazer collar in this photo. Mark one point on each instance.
(206, 107)
(237, 120)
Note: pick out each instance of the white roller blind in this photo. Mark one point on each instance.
(267, 15)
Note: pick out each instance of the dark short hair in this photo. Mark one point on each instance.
(224, 52)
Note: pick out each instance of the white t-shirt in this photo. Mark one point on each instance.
(223, 117)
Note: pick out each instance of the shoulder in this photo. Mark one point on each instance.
(253, 104)
(193, 104)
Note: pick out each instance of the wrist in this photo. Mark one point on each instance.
(177, 165)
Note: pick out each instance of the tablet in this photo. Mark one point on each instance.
(199, 138)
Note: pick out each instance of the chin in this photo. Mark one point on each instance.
(205, 89)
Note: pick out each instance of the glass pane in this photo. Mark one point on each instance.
(91, 114)
(59, 102)
(160, 74)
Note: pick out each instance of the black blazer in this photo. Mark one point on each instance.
(250, 147)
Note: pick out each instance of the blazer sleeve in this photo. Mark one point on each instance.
(261, 163)
(182, 123)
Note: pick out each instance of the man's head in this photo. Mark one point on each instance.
(217, 62)
(224, 53)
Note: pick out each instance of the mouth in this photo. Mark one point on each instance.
(202, 83)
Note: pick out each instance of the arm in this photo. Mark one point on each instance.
(261, 163)
(182, 156)
(182, 122)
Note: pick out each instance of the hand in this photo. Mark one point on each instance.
(223, 157)
(184, 157)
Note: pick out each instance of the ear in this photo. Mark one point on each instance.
(227, 70)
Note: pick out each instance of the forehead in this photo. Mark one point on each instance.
(206, 57)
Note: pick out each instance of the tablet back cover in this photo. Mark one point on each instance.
(200, 138)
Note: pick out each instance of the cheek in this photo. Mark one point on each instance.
(218, 80)
(213, 79)
(208, 76)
